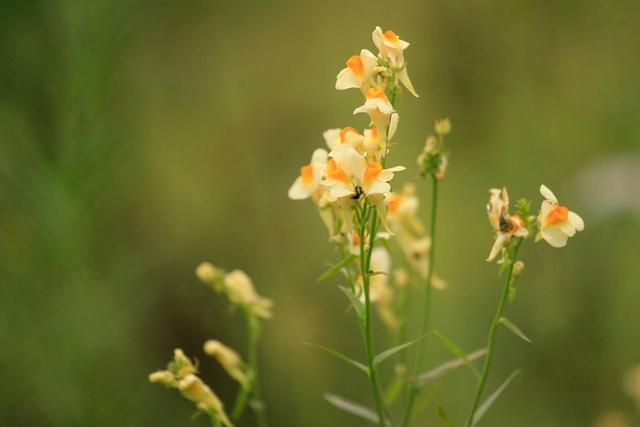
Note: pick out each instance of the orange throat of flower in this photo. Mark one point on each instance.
(372, 172)
(557, 215)
(336, 173)
(355, 65)
(306, 172)
(395, 200)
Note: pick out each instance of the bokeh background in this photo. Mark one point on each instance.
(138, 138)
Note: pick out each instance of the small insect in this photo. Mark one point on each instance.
(359, 192)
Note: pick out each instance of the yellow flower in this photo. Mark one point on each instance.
(307, 183)
(556, 222)
(358, 73)
(391, 49)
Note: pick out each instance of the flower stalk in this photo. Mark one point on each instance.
(493, 332)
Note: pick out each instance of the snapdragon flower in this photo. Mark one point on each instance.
(391, 48)
(306, 185)
(358, 73)
(556, 222)
(346, 136)
(378, 107)
(505, 225)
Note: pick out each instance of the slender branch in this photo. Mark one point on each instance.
(365, 264)
(492, 335)
(412, 392)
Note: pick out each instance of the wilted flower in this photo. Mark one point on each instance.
(556, 222)
(229, 359)
(503, 223)
(358, 72)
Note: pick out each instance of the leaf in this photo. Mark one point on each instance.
(359, 366)
(355, 302)
(513, 328)
(335, 269)
(446, 367)
(352, 408)
(390, 352)
(484, 407)
(443, 415)
(456, 351)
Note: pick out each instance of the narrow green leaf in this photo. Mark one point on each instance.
(359, 366)
(484, 407)
(456, 351)
(446, 367)
(443, 415)
(390, 352)
(513, 328)
(352, 408)
(355, 302)
(335, 269)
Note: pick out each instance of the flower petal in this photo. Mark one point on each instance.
(548, 194)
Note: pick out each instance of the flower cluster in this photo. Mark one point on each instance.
(181, 374)
(353, 168)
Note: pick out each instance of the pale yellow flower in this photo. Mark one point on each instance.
(307, 183)
(556, 222)
(358, 73)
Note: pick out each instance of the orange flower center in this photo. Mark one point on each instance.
(394, 203)
(336, 173)
(391, 36)
(376, 92)
(356, 238)
(306, 172)
(355, 65)
(374, 134)
(345, 131)
(557, 215)
(372, 172)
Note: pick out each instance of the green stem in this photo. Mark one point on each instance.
(254, 386)
(492, 335)
(413, 392)
(365, 264)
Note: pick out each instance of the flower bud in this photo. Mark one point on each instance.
(518, 266)
(193, 388)
(226, 356)
(443, 126)
(206, 272)
(163, 377)
(182, 364)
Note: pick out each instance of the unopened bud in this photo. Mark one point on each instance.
(206, 272)
(443, 126)
(163, 377)
(518, 266)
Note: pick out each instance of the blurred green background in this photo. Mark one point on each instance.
(138, 138)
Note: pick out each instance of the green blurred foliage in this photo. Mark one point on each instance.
(138, 138)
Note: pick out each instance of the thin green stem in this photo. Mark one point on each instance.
(492, 335)
(365, 264)
(412, 392)
(253, 387)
